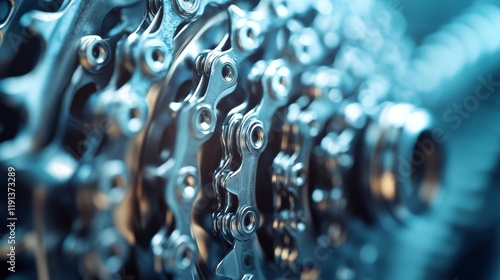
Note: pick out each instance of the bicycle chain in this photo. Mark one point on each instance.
(158, 88)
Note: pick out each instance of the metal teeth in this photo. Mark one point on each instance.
(213, 138)
(154, 7)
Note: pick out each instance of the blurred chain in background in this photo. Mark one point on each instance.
(271, 139)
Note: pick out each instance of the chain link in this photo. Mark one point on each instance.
(210, 139)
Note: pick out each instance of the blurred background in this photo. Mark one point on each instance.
(456, 61)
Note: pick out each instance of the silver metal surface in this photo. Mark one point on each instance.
(216, 139)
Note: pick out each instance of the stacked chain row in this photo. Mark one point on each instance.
(210, 139)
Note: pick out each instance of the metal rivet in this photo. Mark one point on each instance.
(256, 137)
(94, 53)
(155, 57)
(187, 7)
(228, 72)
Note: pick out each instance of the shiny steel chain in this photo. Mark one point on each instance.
(209, 139)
